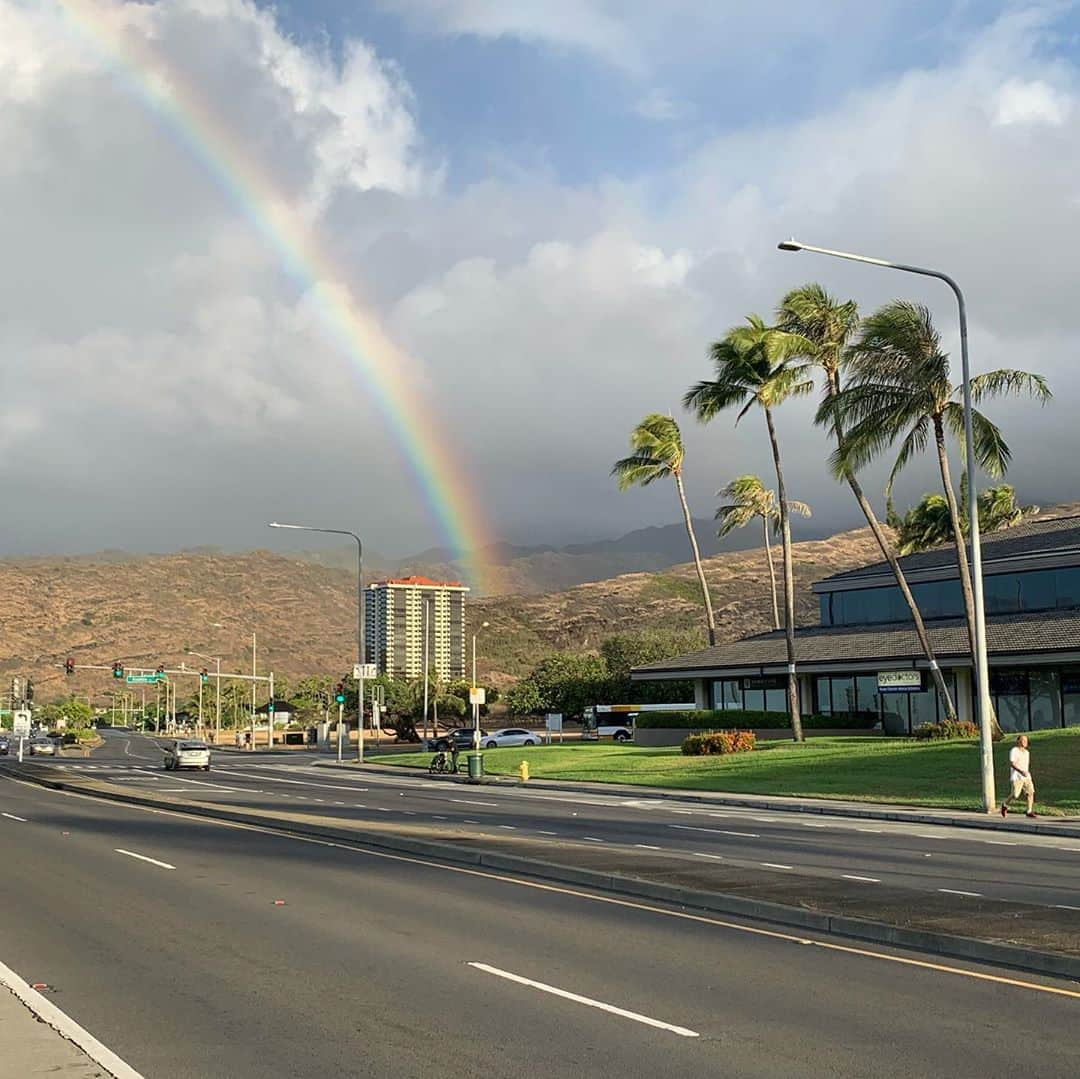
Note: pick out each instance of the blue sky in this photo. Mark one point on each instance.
(520, 100)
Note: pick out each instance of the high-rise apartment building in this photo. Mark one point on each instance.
(395, 613)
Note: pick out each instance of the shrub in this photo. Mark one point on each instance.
(711, 719)
(960, 728)
(713, 743)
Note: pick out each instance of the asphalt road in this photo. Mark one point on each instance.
(164, 937)
(1038, 869)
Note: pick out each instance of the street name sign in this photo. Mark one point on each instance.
(366, 671)
(142, 679)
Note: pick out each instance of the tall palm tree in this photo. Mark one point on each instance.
(899, 389)
(753, 367)
(750, 498)
(659, 454)
(823, 328)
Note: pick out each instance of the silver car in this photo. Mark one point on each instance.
(509, 736)
(42, 747)
(186, 754)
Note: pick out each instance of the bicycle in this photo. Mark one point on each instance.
(441, 764)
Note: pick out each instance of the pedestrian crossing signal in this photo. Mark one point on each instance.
(69, 666)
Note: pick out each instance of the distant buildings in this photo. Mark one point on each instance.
(395, 613)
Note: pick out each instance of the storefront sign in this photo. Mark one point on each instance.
(768, 681)
(900, 682)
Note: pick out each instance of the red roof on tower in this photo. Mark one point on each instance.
(423, 582)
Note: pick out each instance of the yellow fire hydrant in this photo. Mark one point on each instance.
(523, 771)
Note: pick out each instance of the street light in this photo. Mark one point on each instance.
(359, 619)
(217, 660)
(476, 705)
(982, 674)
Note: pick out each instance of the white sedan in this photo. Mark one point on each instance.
(187, 755)
(510, 736)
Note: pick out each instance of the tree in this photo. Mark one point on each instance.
(749, 499)
(621, 652)
(821, 329)
(928, 524)
(659, 454)
(900, 389)
(754, 366)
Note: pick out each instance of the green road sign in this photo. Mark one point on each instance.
(143, 679)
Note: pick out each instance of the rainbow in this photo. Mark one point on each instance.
(385, 371)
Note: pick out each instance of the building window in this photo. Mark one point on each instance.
(1045, 700)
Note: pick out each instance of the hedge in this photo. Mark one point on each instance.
(715, 743)
(712, 719)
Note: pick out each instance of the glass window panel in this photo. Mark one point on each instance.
(923, 707)
(866, 694)
(1012, 712)
(1002, 593)
(1045, 700)
(939, 599)
(1067, 583)
(1037, 590)
(754, 700)
(824, 695)
(732, 698)
(843, 694)
(894, 712)
(1072, 710)
(826, 615)
(776, 700)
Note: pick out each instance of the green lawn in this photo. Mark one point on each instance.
(941, 774)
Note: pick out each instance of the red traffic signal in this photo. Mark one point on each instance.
(69, 666)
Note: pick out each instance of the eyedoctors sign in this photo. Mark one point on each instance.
(900, 682)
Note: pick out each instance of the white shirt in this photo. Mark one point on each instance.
(1019, 763)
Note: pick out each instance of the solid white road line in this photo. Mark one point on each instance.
(11, 816)
(66, 1027)
(647, 846)
(999, 842)
(143, 858)
(872, 831)
(555, 992)
(956, 891)
(539, 832)
(1064, 906)
(774, 865)
(702, 854)
(715, 831)
(591, 839)
(869, 880)
(470, 802)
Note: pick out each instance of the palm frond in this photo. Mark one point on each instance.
(914, 442)
(1007, 380)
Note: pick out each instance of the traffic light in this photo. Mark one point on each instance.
(118, 670)
(161, 668)
(14, 689)
(29, 690)
(69, 666)
(204, 674)
(270, 707)
(339, 693)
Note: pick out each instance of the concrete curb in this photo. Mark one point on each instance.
(1067, 829)
(941, 944)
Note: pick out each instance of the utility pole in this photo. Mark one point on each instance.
(254, 675)
(426, 618)
(340, 721)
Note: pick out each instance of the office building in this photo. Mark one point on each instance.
(396, 612)
(863, 656)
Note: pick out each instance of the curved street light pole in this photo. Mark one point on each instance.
(359, 619)
(979, 659)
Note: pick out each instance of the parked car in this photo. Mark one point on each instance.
(42, 747)
(187, 755)
(509, 736)
(462, 737)
(5, 747)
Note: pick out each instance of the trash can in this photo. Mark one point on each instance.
(476, 766)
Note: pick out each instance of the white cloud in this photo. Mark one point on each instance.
(1035, 102)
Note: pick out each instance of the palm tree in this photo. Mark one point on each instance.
(927, 524)
(900, 389)
(749, 499)
(824, 327)
(753, 367)
(659, 454)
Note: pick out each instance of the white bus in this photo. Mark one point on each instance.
(617, 720)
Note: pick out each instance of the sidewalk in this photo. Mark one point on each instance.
(32, 1047)
(1060, 826)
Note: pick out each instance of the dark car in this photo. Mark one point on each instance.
(5, 747)
(462, 737)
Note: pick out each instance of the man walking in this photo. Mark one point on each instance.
(1020, 776)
